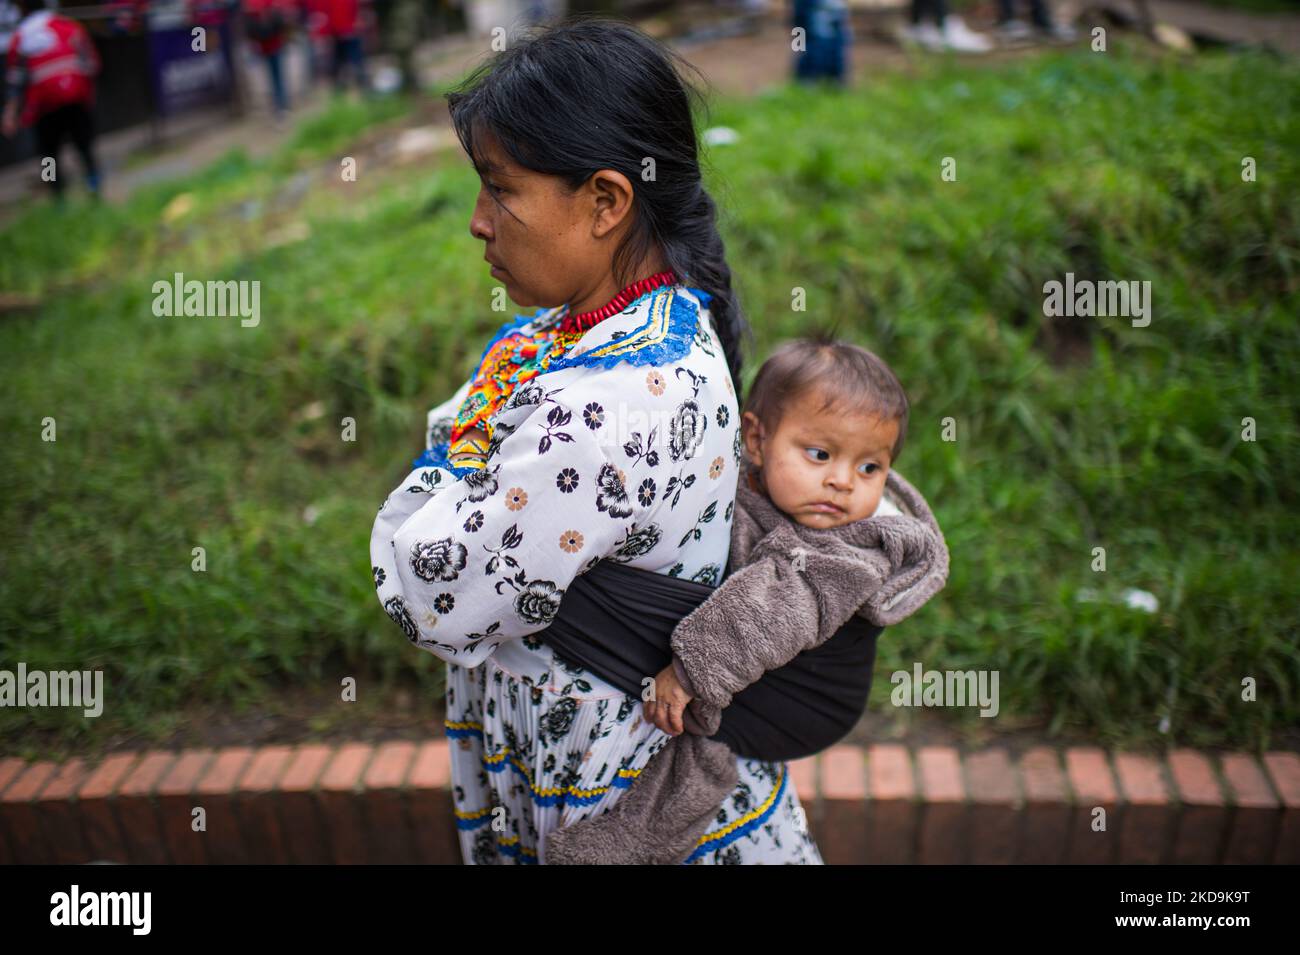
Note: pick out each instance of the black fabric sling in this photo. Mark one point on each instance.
(617, 622)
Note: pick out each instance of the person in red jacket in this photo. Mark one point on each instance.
(267, 24)
(343, 25)
(51, 65)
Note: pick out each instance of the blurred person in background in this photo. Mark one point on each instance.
(944, 31)
(827, 34)
(312, 22)
(126, 16)
(50, 67)
(267, 24)
(343, 26)
(10, 15)
(1013, 30)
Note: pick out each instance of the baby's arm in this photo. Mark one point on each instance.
(764, 615)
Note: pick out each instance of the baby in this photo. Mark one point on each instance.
(816, 539)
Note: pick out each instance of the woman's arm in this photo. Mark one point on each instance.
(488, 558)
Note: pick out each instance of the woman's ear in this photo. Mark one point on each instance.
(612, 194)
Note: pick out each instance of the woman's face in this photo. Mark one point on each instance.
(549, 247)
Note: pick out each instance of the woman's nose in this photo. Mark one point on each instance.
(480, 227)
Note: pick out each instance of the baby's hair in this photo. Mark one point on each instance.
(848, 377)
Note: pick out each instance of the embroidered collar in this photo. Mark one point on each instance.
(531, 345)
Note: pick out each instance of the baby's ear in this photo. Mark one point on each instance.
(751, 432)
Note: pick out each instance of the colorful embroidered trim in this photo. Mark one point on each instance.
(510, 359)
(666, 336)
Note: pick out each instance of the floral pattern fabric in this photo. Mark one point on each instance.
(628, 452)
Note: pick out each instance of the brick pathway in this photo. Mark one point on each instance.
(886, 803)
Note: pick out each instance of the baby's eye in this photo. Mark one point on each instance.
(817, 451)
(871, 467)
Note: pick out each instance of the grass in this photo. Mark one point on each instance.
(177, 433)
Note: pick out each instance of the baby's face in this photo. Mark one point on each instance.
(823, 469)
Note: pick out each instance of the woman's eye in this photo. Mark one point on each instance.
(816, 451)
(495, 189)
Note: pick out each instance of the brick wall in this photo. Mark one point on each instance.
(391, 803)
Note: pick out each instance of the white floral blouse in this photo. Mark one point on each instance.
(626, 448)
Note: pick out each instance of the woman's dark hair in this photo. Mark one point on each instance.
(591, 93)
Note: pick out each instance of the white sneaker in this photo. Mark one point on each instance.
(924, 34)
(957, 36)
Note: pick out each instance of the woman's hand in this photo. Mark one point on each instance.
(666, 709)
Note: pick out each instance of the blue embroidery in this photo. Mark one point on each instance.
(666, 334)
(436, 457)
(704, 297)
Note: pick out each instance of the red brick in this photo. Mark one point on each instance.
(1284, 770)
(137, 811)
(432, 813)
(215, 792)
(22, 821)
(104, 837)
(306, 836)
(892, 812)
(803, 774)
(1048, 808)
(994, 807)
(1149, 815)
(1094, 787)
(1203, 809)
(10, 769)
(176, 805)
(340, 798)
(61, 817)
(943, 801)
(256, 799)
(384, 805)
(1252, 838)
(842, 826)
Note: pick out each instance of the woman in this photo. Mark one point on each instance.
(605, 426)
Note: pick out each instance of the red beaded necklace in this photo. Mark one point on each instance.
(584, 321)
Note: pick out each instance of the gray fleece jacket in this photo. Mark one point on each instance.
(789, 588)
